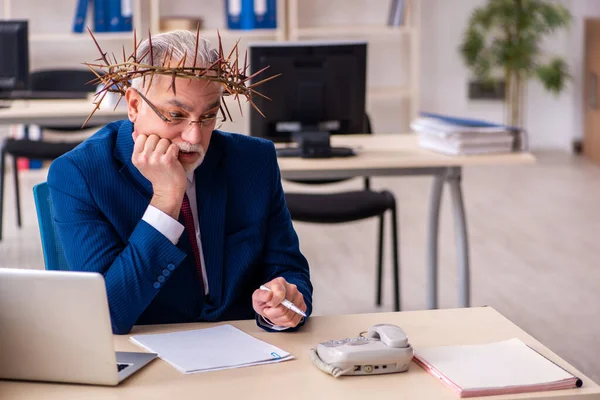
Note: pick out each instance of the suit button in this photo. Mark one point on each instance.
(156, 285)
(171, 267)
(166, 272)
(161, 279)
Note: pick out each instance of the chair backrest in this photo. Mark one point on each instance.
(54, 257)
(63, 80)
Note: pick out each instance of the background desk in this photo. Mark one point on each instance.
(400, 154)
(58, 113)
(299, 379)
(379, 155)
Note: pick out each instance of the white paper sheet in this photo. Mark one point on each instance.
(211, 349)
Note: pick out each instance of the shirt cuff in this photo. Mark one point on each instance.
(170, 228)
(262, 321)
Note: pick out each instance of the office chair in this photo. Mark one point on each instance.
(333, 208)
(54, 258)
(46, 80)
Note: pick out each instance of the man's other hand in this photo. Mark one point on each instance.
(268, 304)
(156, 159)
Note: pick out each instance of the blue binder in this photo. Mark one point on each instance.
(260, 13)
(100, 23)
(80, 16)
(113, 15)
(265, 17)
(126, 16)
(473, 123)
(240, 14)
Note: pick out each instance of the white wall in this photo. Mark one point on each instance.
(552, 122)
(581, 9)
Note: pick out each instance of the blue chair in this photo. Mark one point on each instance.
(54, 257)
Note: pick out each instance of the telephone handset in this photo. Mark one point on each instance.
(384, 350)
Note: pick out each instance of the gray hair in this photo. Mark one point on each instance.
(183, 44)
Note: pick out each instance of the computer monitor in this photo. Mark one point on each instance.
(14, 55)
(321, 91)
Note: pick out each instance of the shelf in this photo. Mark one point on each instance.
(240, 33)
(388, 93)
(345, 31)
(85, 36)
(128, 36)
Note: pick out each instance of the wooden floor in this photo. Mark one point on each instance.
(535, 250)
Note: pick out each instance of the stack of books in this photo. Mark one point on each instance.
(459, 136)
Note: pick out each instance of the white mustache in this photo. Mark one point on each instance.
(191, 148)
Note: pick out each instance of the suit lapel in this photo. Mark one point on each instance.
(123, 152)
(211, 197)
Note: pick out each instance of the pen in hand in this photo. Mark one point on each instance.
(286, 303)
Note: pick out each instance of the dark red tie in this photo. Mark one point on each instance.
(188, 222)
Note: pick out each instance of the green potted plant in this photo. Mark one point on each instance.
(503, 40)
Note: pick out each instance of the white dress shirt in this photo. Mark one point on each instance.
(173, 229)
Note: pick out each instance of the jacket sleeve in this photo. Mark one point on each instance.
(282, 256)
(134, 271)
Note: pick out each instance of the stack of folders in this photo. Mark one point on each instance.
(458, 136)
(107, 15)
(251, 14)
(506, 367)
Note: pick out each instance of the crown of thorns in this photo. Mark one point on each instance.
(116, 77)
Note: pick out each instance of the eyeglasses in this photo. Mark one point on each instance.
(204, 122)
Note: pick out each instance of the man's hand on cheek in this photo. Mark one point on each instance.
(157, 161)
(268, 304)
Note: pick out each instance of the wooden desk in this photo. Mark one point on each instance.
(385, 155)
(400, 154)
(379, 155)
(299, 379)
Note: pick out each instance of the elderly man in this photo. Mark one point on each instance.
(184, 221)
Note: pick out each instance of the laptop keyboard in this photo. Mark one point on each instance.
(121, 367)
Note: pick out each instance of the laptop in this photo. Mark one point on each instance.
(55, 327)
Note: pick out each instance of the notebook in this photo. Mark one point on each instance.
(210, 349)
(455, 147)
(506, 367)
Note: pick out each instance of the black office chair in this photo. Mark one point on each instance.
(333, 208)
(46, 80)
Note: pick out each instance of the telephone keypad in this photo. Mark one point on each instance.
(349, 341)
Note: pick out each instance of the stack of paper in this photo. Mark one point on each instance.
(462, 136)
(211, 349)
(505, 367)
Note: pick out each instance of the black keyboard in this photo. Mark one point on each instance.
(333, 152)
(42, 95)
(121, 367)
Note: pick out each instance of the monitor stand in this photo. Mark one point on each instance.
(314, 145)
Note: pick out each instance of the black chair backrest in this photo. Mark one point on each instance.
(64, 80)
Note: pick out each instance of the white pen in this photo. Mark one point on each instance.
(286, 303)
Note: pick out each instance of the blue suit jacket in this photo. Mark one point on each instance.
(99, 198)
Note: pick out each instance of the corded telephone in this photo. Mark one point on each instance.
(384, 350)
